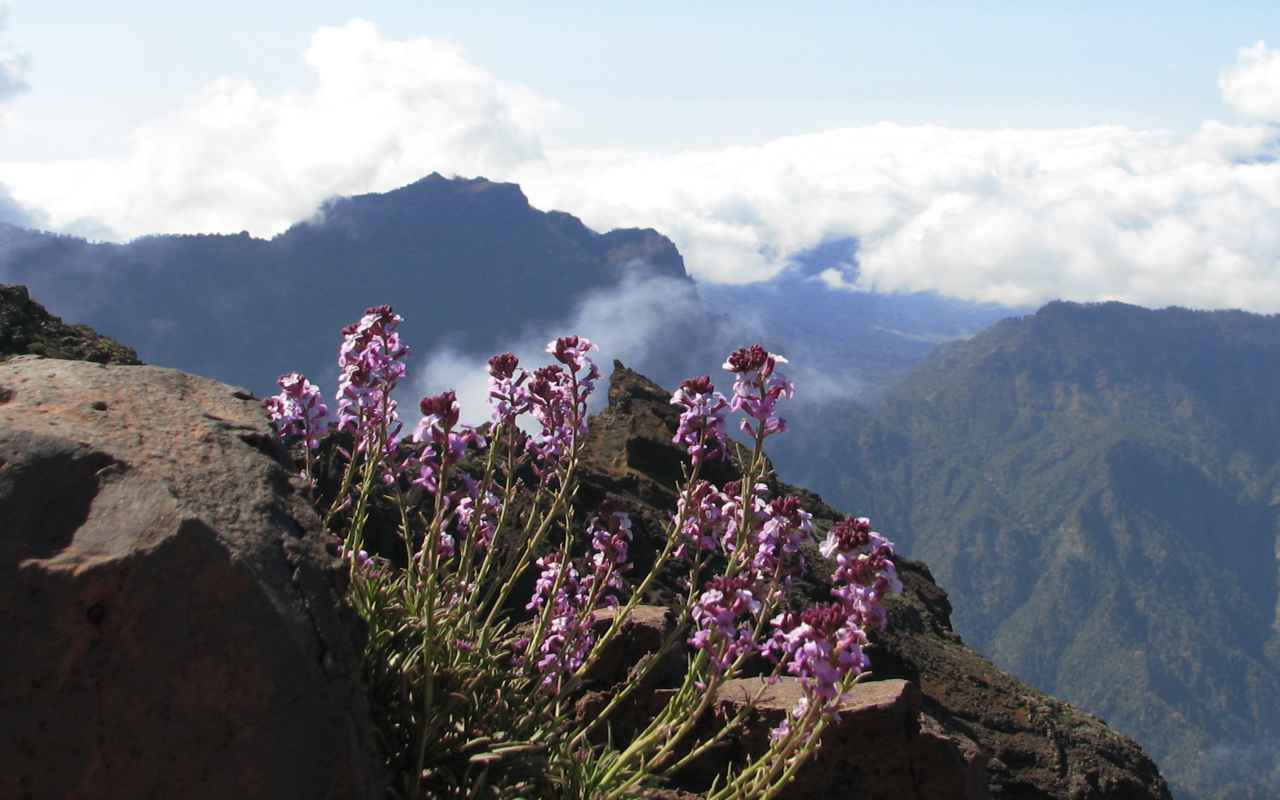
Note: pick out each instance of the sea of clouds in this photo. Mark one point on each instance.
(1008, 216)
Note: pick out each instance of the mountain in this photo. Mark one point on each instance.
(1094, 484)
(462, 260)
(1098, 487)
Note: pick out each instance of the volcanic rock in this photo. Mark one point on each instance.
(173, 623)
(881, 747)
(26, 327)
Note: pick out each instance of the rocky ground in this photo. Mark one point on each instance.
(1023, 743)
(174, 624)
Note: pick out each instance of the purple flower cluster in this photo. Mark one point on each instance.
(701, 509)
(824, 643)
(610, 533)
(568, 637)
(442, 446)
(777, 553)
(483, 509)
(732, 513)
(508, 397)
(558, 399)
(701, 428)
(820, 645)
(865, 573)
(371, 363)
(757, 388)
(725, 615)
(298, 410)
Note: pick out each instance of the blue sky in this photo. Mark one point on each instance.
(1007, 152)
(677, 74)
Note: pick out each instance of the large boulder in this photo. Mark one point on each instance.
(173, 623)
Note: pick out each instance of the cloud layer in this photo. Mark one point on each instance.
(1252, 85)
(1008, 216)
(381, 113)
(652, 324)
(13, 67)
(1013, 217)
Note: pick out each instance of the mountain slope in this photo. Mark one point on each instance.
(469, 259)
(1097, 487)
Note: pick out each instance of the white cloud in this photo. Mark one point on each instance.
(12, 81)
(381, 113)
(1252, 85)
(1014, 217)
(638, 322)
(13, 68)
(1009, 216)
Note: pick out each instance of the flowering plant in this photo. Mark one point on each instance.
(478, 687)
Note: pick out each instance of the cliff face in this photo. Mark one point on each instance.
(1032, 745)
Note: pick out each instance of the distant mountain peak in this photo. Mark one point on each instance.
(466, 260)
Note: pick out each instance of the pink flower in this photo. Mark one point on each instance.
(777, 552)
(558, 398)
(298, 410)
(704, 521)
(610, 532)
(701, 428)
(820, 646)
(568, 636)
(508, 397)
(371, 363)
(865, 573)
(571, 351)
(725, 616)
(483, 510)
(757, 388)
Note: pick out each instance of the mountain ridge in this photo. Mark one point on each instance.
(1097, 486)
(231, 306)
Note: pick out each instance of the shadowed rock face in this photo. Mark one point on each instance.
(26, 327)
(173, 624)
(1031, 745)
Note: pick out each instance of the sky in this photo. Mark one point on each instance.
(1004, 152)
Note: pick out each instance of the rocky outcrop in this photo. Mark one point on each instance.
(882, 746)
(26, 327)
(175, 627)
(967, 718)
(173, 623)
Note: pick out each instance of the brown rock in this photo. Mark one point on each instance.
(881, 748)
(173, 625)
(643, 632)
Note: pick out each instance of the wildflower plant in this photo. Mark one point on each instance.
(487, 620)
